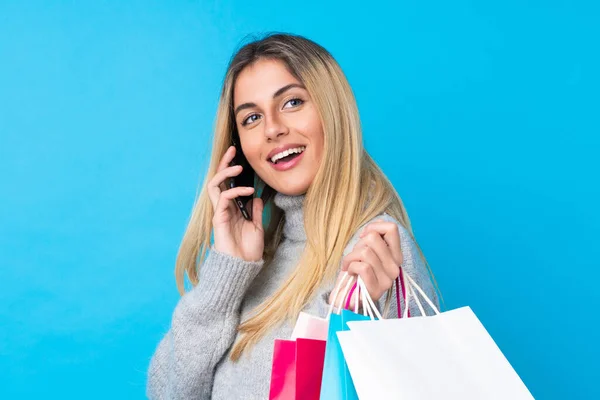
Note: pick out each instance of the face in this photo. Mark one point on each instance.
(279, 126)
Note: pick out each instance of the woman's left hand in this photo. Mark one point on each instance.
(376, 258)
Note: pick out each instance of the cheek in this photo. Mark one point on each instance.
(252, 150)
(317, 139)
(310, 125)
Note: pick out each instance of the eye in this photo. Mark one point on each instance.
(294, 102)
(249, 120)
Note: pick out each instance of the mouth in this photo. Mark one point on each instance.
(287, 159)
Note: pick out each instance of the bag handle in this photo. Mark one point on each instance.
(359, 288)
(336, 292)
(350, 298)
(369, 307)
(400, 284)
(413, 285)
(403, 281)
(368, 302)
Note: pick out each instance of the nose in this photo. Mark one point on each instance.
(274, 128)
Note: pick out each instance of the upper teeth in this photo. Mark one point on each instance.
(287, 152)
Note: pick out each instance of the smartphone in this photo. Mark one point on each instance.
(245, 178)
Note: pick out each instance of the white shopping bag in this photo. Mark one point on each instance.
(446, 356)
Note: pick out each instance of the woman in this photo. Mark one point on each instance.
(328, 209)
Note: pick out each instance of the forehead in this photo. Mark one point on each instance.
(257, 82)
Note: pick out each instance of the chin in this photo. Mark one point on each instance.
(294, 188)
(293, 191)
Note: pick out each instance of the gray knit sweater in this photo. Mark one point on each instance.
(192, 360)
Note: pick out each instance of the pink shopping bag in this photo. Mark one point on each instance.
(297, 369)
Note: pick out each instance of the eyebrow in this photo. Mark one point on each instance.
(279, 92)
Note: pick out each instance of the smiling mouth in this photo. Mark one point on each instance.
(287, 155)
(286, 158)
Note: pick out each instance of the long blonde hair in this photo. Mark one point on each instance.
(346, 171)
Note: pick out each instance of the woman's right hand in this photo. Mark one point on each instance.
(233, 234)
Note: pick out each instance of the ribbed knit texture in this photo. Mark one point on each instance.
(192, 360)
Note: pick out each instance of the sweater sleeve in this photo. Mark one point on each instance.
(203, 328)
(413, 266)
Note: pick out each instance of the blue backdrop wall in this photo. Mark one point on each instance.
(484, 116)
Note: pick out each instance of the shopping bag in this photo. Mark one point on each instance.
(449, 355)
(298, 363)
(337, 383)
(297, 369)
(310, 327)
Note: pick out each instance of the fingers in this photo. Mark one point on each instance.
(365, 263)
(391, 235)
(227, 158)
(374, 241)
(213, 185)
(373, 274)
(376, 257)
(216, 185)
(369, 276)
(225, 162)
(374, 251)
(225, 198)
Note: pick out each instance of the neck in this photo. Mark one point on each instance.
(293, 208)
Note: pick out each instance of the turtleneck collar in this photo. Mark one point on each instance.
(293, 207)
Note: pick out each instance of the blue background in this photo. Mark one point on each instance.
(484, 116)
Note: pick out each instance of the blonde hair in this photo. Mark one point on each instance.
(346, 171)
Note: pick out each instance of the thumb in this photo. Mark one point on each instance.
(257, 211)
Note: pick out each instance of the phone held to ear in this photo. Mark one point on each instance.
(245, 178)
